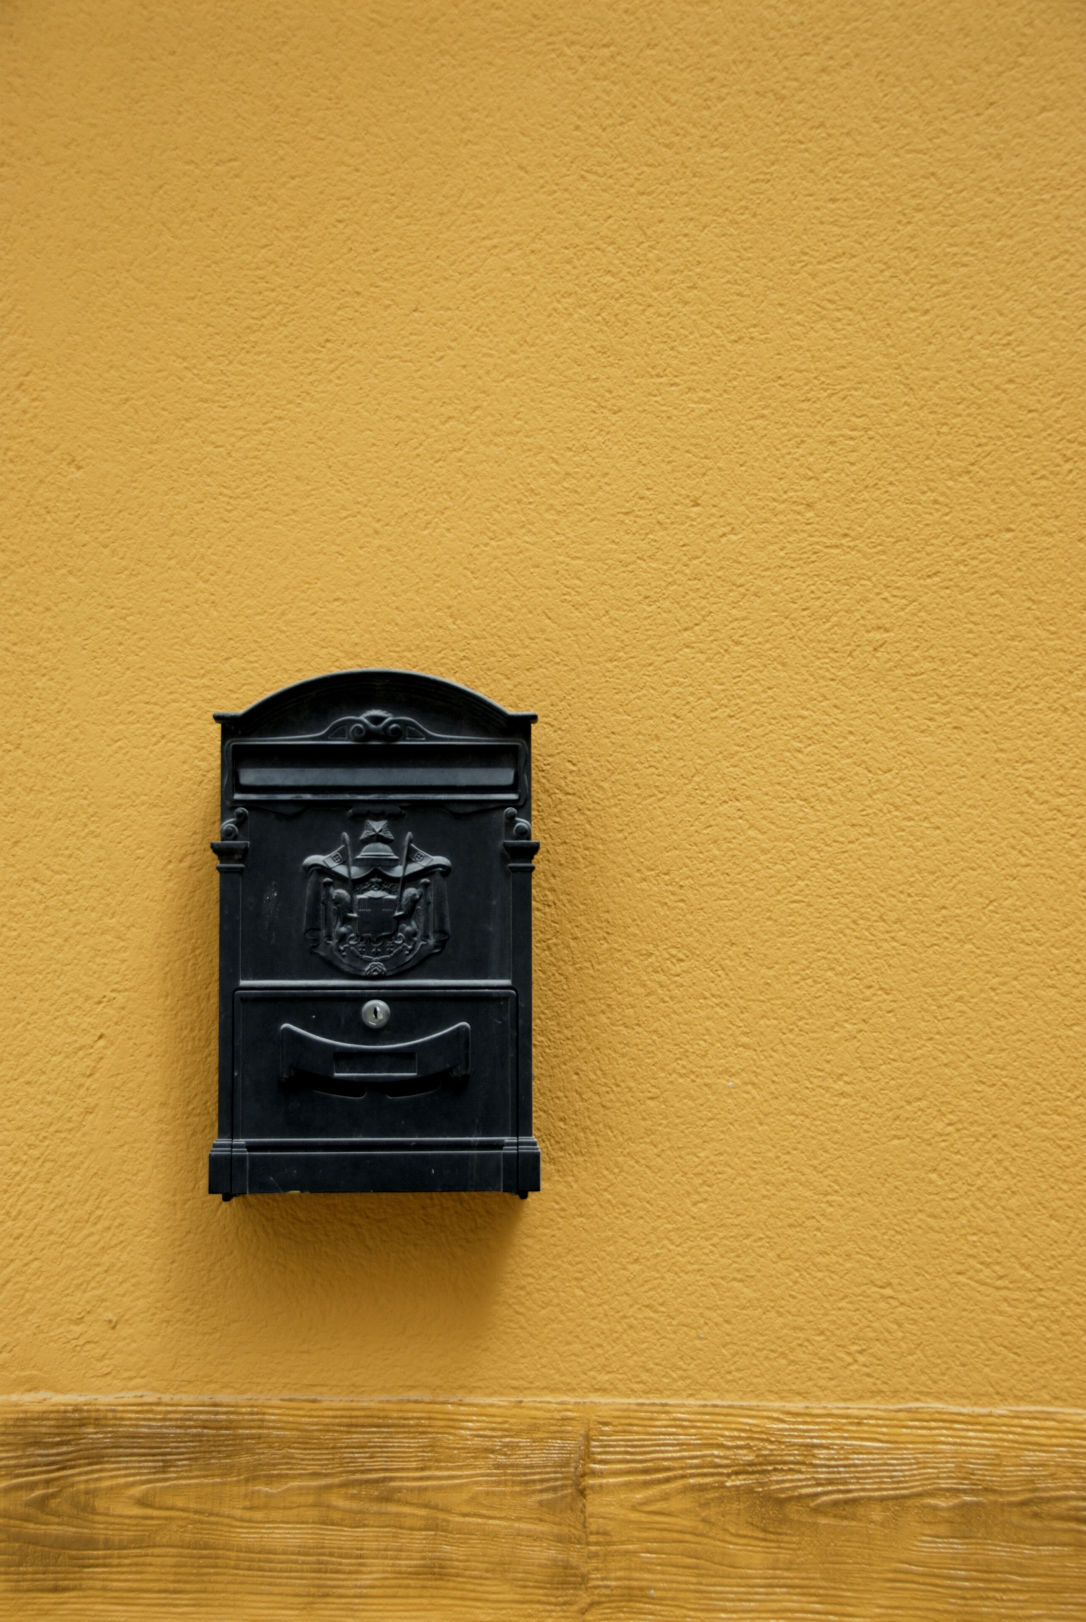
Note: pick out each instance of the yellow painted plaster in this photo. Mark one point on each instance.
(705, 376)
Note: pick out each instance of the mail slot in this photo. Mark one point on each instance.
(375, 985)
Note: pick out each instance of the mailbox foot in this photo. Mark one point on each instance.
(509, 1166)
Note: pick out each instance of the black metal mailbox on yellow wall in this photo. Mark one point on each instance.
(375, 968)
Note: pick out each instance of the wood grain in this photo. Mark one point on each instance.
(246, 1511)
(149, 1509)
(796, 1514)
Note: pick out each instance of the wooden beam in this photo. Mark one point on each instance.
(245, 1511)
(238, 1510)
(907, 1515)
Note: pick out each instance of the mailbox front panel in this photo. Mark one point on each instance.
(375, 941)
(308, 1067)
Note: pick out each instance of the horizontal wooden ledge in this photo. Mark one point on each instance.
(154, 1507)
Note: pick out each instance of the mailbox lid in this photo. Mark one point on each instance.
(449, 770)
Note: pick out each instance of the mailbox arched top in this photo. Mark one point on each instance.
(311, 705)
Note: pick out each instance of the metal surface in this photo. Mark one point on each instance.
(375, 837)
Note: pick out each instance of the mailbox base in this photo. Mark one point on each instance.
(497, 1167)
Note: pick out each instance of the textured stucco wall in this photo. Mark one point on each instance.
(705, 377)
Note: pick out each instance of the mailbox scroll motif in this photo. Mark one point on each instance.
(375, 979)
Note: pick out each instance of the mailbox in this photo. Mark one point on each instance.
(375, 956)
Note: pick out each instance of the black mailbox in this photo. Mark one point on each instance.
(375, 954)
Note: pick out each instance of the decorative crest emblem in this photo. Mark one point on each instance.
(376, 910)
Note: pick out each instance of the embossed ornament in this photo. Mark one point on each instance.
(376, 910)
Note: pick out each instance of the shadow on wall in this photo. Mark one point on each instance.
(331, 1283)
(449, 1249)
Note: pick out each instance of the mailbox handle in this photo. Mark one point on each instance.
(351, 1069)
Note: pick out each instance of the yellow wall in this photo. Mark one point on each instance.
(702, 375)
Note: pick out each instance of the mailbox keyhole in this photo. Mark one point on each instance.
(376, 1013)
